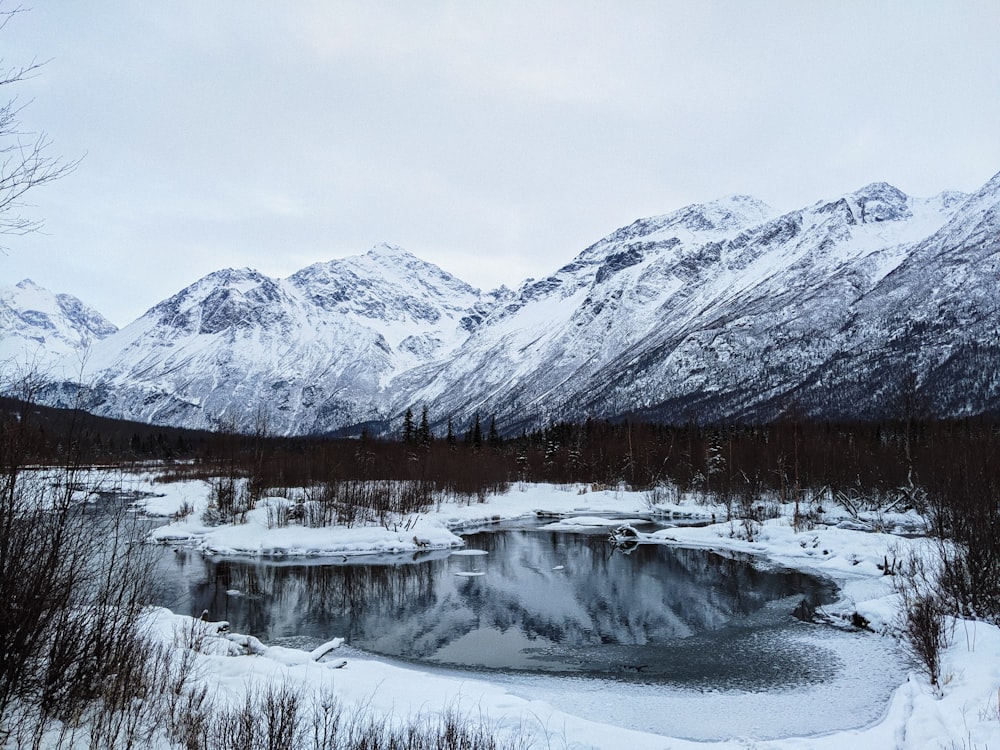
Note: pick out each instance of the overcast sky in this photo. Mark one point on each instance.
(495, 139)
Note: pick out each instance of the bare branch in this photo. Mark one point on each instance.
(25, 162)
(6, 15)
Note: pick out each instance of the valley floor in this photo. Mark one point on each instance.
(963, 713)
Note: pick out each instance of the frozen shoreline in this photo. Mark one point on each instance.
(966, 711)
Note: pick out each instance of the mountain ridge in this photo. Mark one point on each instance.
(845, 308)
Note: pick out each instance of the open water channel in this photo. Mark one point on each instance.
(565, 617)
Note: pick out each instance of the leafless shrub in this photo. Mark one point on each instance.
(660, 494)
(751, 507)
(74, 585)
(270, 719)
(924, 613)
(966, 519)
(360, 502)
(925, 634)
(279, 512)
(74, 580)
(230, 499)
(279, 718)
(185, 510)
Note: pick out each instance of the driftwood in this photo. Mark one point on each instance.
(624, 538)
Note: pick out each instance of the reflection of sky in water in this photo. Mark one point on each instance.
(537, 601)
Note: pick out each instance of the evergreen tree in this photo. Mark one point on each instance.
(477, 433)
(408, 426)
(450, 438)
(425, 428)
(494, 436)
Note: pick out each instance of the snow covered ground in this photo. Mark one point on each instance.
(964, 713)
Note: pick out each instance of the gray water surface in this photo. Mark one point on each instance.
(532, 600)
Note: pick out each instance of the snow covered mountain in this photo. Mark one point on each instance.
(872, 304)
(309, 353)
(788, 312)
(39, 328)
(715, 312)
(927, 337)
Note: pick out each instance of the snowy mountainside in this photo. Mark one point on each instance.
(931, 328)
(866, 305)
(585, 314)
(823, 338)
(682, 318)
(414, 306)
(38, 327)
(297, 355)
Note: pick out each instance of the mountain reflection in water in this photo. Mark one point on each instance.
(539, 601)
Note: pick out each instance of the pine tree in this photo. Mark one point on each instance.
(425, 428)
(408, 426)
(494, 436)
(450, 438)
(477, 433)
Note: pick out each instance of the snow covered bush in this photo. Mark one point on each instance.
(230, 499)
(749, 506)
(279, 512)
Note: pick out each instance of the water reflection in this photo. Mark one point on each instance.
(537, 600)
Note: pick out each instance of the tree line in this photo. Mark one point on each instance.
(786, 456)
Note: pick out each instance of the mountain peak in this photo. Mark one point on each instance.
(39, 326)
(746, 204)
(875, 202)
(723, 215)
(388, 250)
(236, 275)
(881, 201)
(949, 198)
(384, 264)
(737, 211)
(880, 190)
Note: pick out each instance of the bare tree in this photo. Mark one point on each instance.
(74, 580)
(25, 160)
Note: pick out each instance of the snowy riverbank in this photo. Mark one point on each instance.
(964, 713)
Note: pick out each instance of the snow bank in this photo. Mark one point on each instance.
(412, 533)
(916, 718)
(964, 712)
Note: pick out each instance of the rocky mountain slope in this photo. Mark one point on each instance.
(871, 305)
(716, 312)
(39, 329)
(309, 353)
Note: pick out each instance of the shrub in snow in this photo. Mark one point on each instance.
(923, 613)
